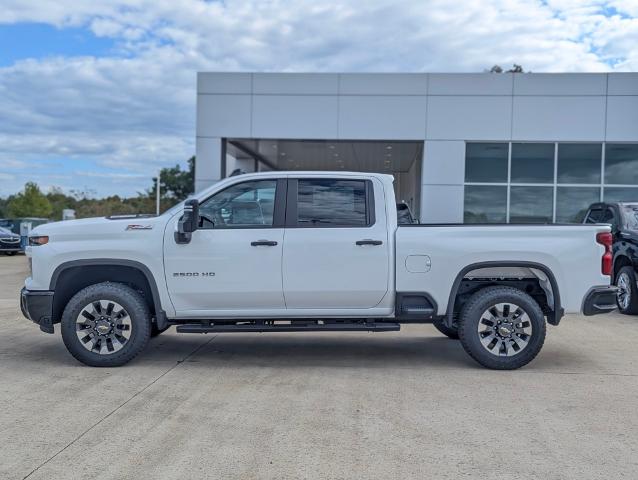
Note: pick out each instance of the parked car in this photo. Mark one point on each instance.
(9, 242)
(309, 251)
(623, 218)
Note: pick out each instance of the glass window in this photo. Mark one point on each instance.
(572, 203)
(532, 163)
(630, 216)
(531, 204)
(579, 162)
(326, 203)
(621, 163)
(248, 204)
(621, 194)
(485, 204)
(595, 216)
(486, 162)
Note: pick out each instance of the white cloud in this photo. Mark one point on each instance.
(134, 110)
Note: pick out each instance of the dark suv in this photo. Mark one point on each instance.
(623, 218)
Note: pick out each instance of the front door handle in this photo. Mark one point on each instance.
(263, 243)
(368, 241)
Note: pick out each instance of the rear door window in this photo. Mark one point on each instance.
(333, 203)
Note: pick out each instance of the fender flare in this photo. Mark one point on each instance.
(557, 310)
(160, 314)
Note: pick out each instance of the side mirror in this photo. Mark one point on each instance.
(188, 223)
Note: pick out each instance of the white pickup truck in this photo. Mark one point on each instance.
(309, 251)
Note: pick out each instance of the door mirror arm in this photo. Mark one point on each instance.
(188, 223)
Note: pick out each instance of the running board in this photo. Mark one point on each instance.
(327, 327)
(422, 310)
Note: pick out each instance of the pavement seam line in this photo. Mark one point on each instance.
(178, 363)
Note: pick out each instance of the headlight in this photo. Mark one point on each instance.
(40, 240)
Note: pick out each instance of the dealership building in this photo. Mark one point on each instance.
(486, 147)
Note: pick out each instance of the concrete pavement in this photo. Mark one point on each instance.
(402, 405)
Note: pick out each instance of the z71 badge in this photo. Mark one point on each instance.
(193, 274)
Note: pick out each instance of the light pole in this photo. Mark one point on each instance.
(157, 193)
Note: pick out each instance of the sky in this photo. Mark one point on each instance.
(97, 95)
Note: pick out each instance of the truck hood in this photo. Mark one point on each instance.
(101, 227)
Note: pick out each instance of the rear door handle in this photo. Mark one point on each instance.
(263, 243)
(367, 241)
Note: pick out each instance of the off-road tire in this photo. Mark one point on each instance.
(472, 314)
(630, 274)
(138, 313)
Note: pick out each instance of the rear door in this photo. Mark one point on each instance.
(336, 248)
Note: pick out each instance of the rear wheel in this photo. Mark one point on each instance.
(452, 332)
(106, 325)
(502, 328)
(627, 298)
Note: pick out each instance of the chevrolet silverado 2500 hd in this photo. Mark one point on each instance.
(311, 251)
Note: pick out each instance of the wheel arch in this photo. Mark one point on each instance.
(65, 284)
(621, 261)
(557, 309)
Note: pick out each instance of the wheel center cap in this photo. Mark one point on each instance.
(505, 330)
(103, 327)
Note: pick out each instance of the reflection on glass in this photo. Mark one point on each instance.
(621, 194)
(579, 162)
(485, 204)
(486, 162)
(572, 203)
(247, 204)
(531, 204)
(325, 203)
(621, 163)
(630, 216)
(532, 163)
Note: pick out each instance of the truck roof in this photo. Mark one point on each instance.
(622, 204)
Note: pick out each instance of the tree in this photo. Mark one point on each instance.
(30, 203)
(515, 69)
(175, 184)
(59, 201)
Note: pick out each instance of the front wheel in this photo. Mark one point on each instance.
(106, 325)
(502, 328)
(627, 298)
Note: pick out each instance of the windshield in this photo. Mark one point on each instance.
(630, 213)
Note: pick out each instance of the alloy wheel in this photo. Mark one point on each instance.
(504, 329)
(103, 327)
(624, 291)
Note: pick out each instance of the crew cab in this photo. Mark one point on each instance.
(623, 218)
(309, 251)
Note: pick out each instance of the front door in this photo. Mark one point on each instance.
(336, 249)
(233, 262)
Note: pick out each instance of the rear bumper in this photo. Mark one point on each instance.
(600, 300)
(37, 306)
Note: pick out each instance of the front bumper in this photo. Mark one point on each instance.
(600, 300)
(37, 306)
(11, 245)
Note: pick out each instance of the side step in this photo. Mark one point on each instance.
(291, 327)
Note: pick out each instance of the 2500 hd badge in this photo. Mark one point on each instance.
(193, 274)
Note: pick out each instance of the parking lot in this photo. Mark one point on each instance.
(402, 405)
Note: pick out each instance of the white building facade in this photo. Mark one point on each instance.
(530, 148)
